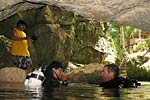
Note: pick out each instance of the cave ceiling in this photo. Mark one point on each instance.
(135, 13)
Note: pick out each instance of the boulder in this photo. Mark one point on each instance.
(89, 74)
(12, 75)
(87, 55)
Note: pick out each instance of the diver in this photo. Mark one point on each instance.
(55, 76)
(110, 78)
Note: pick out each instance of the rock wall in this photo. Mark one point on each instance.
(60, 33)
(88, 55)
(66, 15)
(125, 12)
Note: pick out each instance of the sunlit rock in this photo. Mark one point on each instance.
(146, 65)
(103, 45)
(12, 75)
(70, 67)
(142, 58)
(140, 53)
(89, 73)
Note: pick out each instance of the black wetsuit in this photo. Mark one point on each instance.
(51, 81)
(120, 82)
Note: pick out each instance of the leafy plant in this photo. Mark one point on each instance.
(134, 71)
(113, 33)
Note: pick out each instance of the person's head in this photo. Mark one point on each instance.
(109, 72)
(57, 66)
(21, 25)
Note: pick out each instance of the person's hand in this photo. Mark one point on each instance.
(29, 40)
(64, 77)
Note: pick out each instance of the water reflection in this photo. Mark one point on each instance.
(111, 92)
(12, 91)
(34, 92)
(41, 93)
(72, 92)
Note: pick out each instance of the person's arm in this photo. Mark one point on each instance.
(16, 38)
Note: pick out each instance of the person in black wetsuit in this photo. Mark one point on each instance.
(110, 78)
(54, 75)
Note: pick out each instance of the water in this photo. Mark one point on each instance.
(73, 92)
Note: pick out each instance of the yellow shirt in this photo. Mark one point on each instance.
(20, 48)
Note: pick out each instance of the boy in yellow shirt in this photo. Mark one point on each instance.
(19, 48)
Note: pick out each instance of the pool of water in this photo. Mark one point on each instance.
(74, 91)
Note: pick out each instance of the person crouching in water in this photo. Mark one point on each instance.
(110, 78)
(54, 75)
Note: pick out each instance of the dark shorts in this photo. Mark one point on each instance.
(23, 62)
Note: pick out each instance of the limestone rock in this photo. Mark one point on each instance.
(70, 67)
(56, 37)
(12, 75)
(53, 44)
(89, 74)
(125, 12)
(6, 59)
(5, 56)
(88, 55)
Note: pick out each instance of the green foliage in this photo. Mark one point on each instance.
(113, 32)
(5, 41)
(75, 18)
(148, 40)
(134, 71)
(86, 32)
(143, 45)
(129, 31)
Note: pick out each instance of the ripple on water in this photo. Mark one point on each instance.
(75, 91)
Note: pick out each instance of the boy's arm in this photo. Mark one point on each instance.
(14, 36)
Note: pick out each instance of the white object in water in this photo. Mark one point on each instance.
(34, 78)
